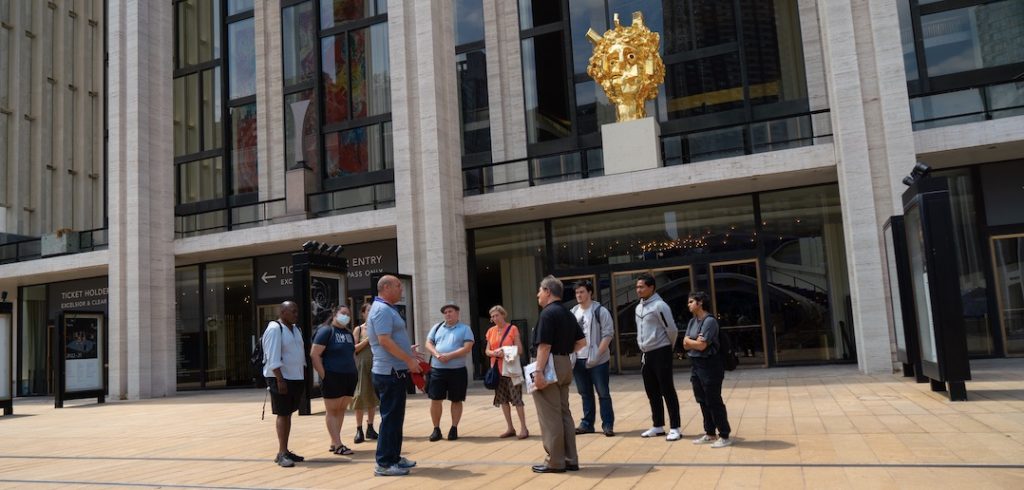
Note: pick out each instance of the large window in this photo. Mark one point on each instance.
(961, 58)
(729, 63)
(338, 123)
(471, 72)
(215, 149)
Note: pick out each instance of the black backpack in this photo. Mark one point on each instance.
(729, 358)
(256, 360)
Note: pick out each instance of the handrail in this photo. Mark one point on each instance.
(31, 248)
(263, 213)
(332, 202)
(987, 112)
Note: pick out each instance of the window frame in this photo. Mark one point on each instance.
(926, 85)
(316, 84)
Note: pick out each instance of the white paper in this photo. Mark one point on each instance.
(531, 369)
(510, 367)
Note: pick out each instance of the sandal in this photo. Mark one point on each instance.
(507, 434)
(524, 435)
(341, 450)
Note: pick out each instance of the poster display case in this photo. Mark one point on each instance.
(934, 278)
(901, 306)
(80, 357)
(6, 357)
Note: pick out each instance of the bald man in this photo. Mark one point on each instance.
(392, 363)
(284, 362)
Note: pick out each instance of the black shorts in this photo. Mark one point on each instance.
(289, 402)
(337, 385)
(450, 384)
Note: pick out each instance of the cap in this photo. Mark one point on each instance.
(449, 304)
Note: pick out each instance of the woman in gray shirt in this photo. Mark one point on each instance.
(702, 346)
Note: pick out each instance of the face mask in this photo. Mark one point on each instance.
(342, 319)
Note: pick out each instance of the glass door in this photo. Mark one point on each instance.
(737, 304)
(1008, 265)
(673, 284)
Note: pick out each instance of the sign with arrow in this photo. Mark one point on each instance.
(273, 278)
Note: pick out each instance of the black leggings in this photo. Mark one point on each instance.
(657, 374)
(706, 379)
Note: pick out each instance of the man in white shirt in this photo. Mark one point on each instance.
(591, 369)
(284, 361)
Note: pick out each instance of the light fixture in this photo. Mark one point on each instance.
(323, 248)
(310, 245)
(920, 170)
(3, 297)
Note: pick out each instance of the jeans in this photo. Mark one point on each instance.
(587, 381)
(391, 391)
(708, 373)
(657, 374)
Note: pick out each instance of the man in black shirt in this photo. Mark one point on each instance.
(558, 334)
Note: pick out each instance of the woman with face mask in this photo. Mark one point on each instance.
(334, 358)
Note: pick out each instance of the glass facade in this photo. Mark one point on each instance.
(774, 263)
(338, 122)
(215, 128)
(215, 325)
(471, 73)
(738, 65)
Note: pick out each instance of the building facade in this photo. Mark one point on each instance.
(460, 142)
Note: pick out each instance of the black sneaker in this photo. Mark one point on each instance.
(370, 433)
(284, 461)
(436, 435)
(294, 457)
(453, 433)
(359, 435)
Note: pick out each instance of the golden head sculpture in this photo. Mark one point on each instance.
(627, 65)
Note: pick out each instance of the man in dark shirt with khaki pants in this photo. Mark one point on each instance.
(559, 334)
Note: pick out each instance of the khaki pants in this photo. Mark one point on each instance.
(557, 429)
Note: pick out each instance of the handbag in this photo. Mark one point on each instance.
(493, 376)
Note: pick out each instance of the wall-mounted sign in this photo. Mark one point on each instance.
(367, 259)
(78, 295)
(274, 277)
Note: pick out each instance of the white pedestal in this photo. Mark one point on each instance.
(631, 145)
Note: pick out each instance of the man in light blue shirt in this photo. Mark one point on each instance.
(448, 342)
(392, 363)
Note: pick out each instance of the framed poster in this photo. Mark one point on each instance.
(83, 360)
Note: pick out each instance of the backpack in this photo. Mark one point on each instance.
(256, 359)
(729, 358)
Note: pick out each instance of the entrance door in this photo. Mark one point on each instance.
(736, 300)
(673, 284)
(1008, 265)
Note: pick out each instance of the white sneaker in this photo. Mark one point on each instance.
(673, 435)
(704, 439)
(722, 442)
(653, 432)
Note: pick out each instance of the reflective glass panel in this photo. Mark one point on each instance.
(357, 151)
(584, 15)
(592, 107)
(736, 295)
(474, 112)
(696, 24)
(805, 275)
(244, 155)
(335, 79)
(654, 233)
(1008, 262)
(469, 21)
(509, 266)
(704, 86)
(979, 36)
(241, 59)
(228, 323)
(919, 279)
(299, 47)
(200, 180)
(546, 93)
(239, 6)
(973, 288)
(35, 338)
(186, 114)
(370, 68)
(212, 127)
(774, 51)
(188, 318)
(198, 32)
(535, 13)
(334, 12)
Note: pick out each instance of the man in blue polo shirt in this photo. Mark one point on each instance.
(392, 363)
(448, 342)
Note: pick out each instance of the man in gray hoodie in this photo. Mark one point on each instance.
(656, 334)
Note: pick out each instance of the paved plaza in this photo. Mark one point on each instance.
(801, 427)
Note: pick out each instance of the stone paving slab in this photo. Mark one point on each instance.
(807, 427)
